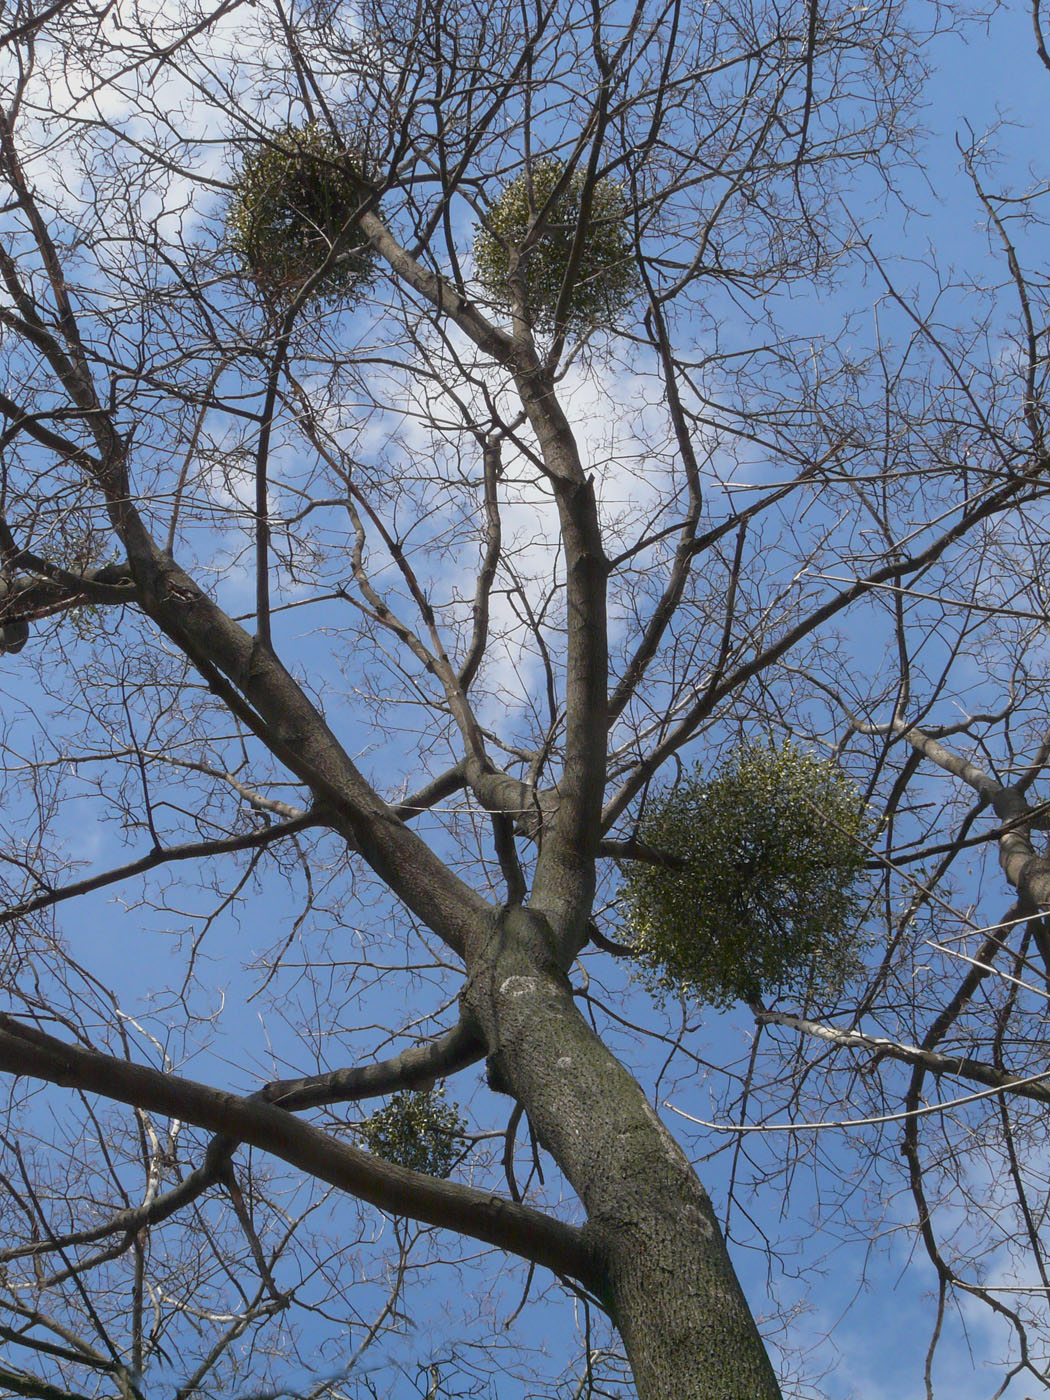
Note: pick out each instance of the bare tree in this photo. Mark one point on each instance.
(419, 446)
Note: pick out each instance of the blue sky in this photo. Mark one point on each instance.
(864, 1306)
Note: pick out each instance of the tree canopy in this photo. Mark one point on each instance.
(504, 510)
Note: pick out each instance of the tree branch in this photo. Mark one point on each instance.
(415, 1068)
(197, 850)
(959, 1066)
(521, 1230)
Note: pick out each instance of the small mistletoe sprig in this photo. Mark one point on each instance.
(416, 1129)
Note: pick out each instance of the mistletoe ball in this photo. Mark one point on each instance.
(416, 1129)
(293, 203)
(768, 891)
(529, 238)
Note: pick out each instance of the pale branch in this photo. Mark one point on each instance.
(192, 1384)
(254, 798)
(194, 850)
(428, 796)
(1027, 871)
(906, 1115)
(481, 1215)
(958, 1066)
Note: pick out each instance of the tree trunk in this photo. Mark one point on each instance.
(669, 1284)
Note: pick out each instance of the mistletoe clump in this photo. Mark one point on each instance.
(767, 896)
(606, 279)
(417, 1129)
(294, 197)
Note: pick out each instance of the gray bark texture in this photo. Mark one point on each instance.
(664, 1271)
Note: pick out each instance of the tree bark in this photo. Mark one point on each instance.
(667, 1279)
